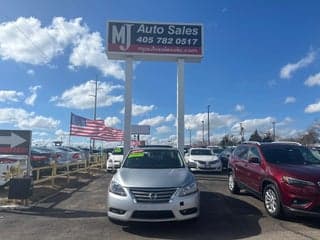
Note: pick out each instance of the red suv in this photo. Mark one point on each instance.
(285, 175)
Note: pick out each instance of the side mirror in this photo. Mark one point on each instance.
(254, 160)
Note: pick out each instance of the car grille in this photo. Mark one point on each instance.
(152, 214)
(202, 162)
(316, 209)
(152, 195)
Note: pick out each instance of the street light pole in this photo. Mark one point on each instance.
(202, 131)
(274, 130)
(208, 125)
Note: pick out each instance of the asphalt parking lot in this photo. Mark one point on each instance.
(80, 213)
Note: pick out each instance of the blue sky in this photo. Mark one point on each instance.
(261, 64)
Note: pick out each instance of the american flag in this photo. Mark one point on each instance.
(81, 126)
(110, 134)
(95, 129)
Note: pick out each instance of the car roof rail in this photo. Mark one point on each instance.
(251, 142)
(287, 142)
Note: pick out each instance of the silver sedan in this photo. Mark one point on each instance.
(153, 184)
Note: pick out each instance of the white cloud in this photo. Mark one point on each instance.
(24, 120)
(239, 108)
(31, 72)
(157, 120)
(216, 120)
(31, 99)
(313, 80)
(170, 118)
(139, 109)
(250, 125)
(290, 100)
(153, 121)
(26, 40)
(287, 71)
(163, 129)
(111, 121)
(9, 95)
(80, 97)
(90, 52)
(312, 108)
(60, 132)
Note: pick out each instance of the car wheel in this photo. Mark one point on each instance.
(271, 201)
(232, 184)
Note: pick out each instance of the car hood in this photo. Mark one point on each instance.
(203, 157)
(306, 172)
(153, 178)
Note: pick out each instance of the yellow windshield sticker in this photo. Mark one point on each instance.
(136, 154)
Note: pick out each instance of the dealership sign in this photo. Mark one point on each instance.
(140, 129)
(16, 142)
(155, 41)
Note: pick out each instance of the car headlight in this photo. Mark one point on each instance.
(297, 182)
(188, 189)
(116, 188)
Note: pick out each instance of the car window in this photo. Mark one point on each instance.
(297, 155)
(153, 159)
(241, 152)
(201, 152)
(253, 153)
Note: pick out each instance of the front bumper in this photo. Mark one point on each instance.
(178, 209)
(216, 167)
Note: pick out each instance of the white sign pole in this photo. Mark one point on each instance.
(128, 106)
(180, 105)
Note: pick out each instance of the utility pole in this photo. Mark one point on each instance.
(202, 131)
(274, 130)
(208, 125)
(241, 132)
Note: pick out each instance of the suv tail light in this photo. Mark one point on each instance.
(76, 156)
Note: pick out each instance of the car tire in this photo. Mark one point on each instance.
(271, 200)
(232, 184)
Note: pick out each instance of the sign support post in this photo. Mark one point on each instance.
(128, 106)
(180, 105)
(178, 42)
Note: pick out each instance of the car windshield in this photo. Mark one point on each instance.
(153, 159)
(201, 152)
(297, 155)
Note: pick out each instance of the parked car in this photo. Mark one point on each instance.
(224, 157)
(84, 155)
(66, 155)
(41, 157)
(285, 175)
(153, 184)
(115, 159)
(215, 149)
(203, 159)
(12, 166)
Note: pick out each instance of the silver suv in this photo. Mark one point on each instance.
(153, 184)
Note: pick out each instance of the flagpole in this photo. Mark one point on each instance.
(70, 128)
